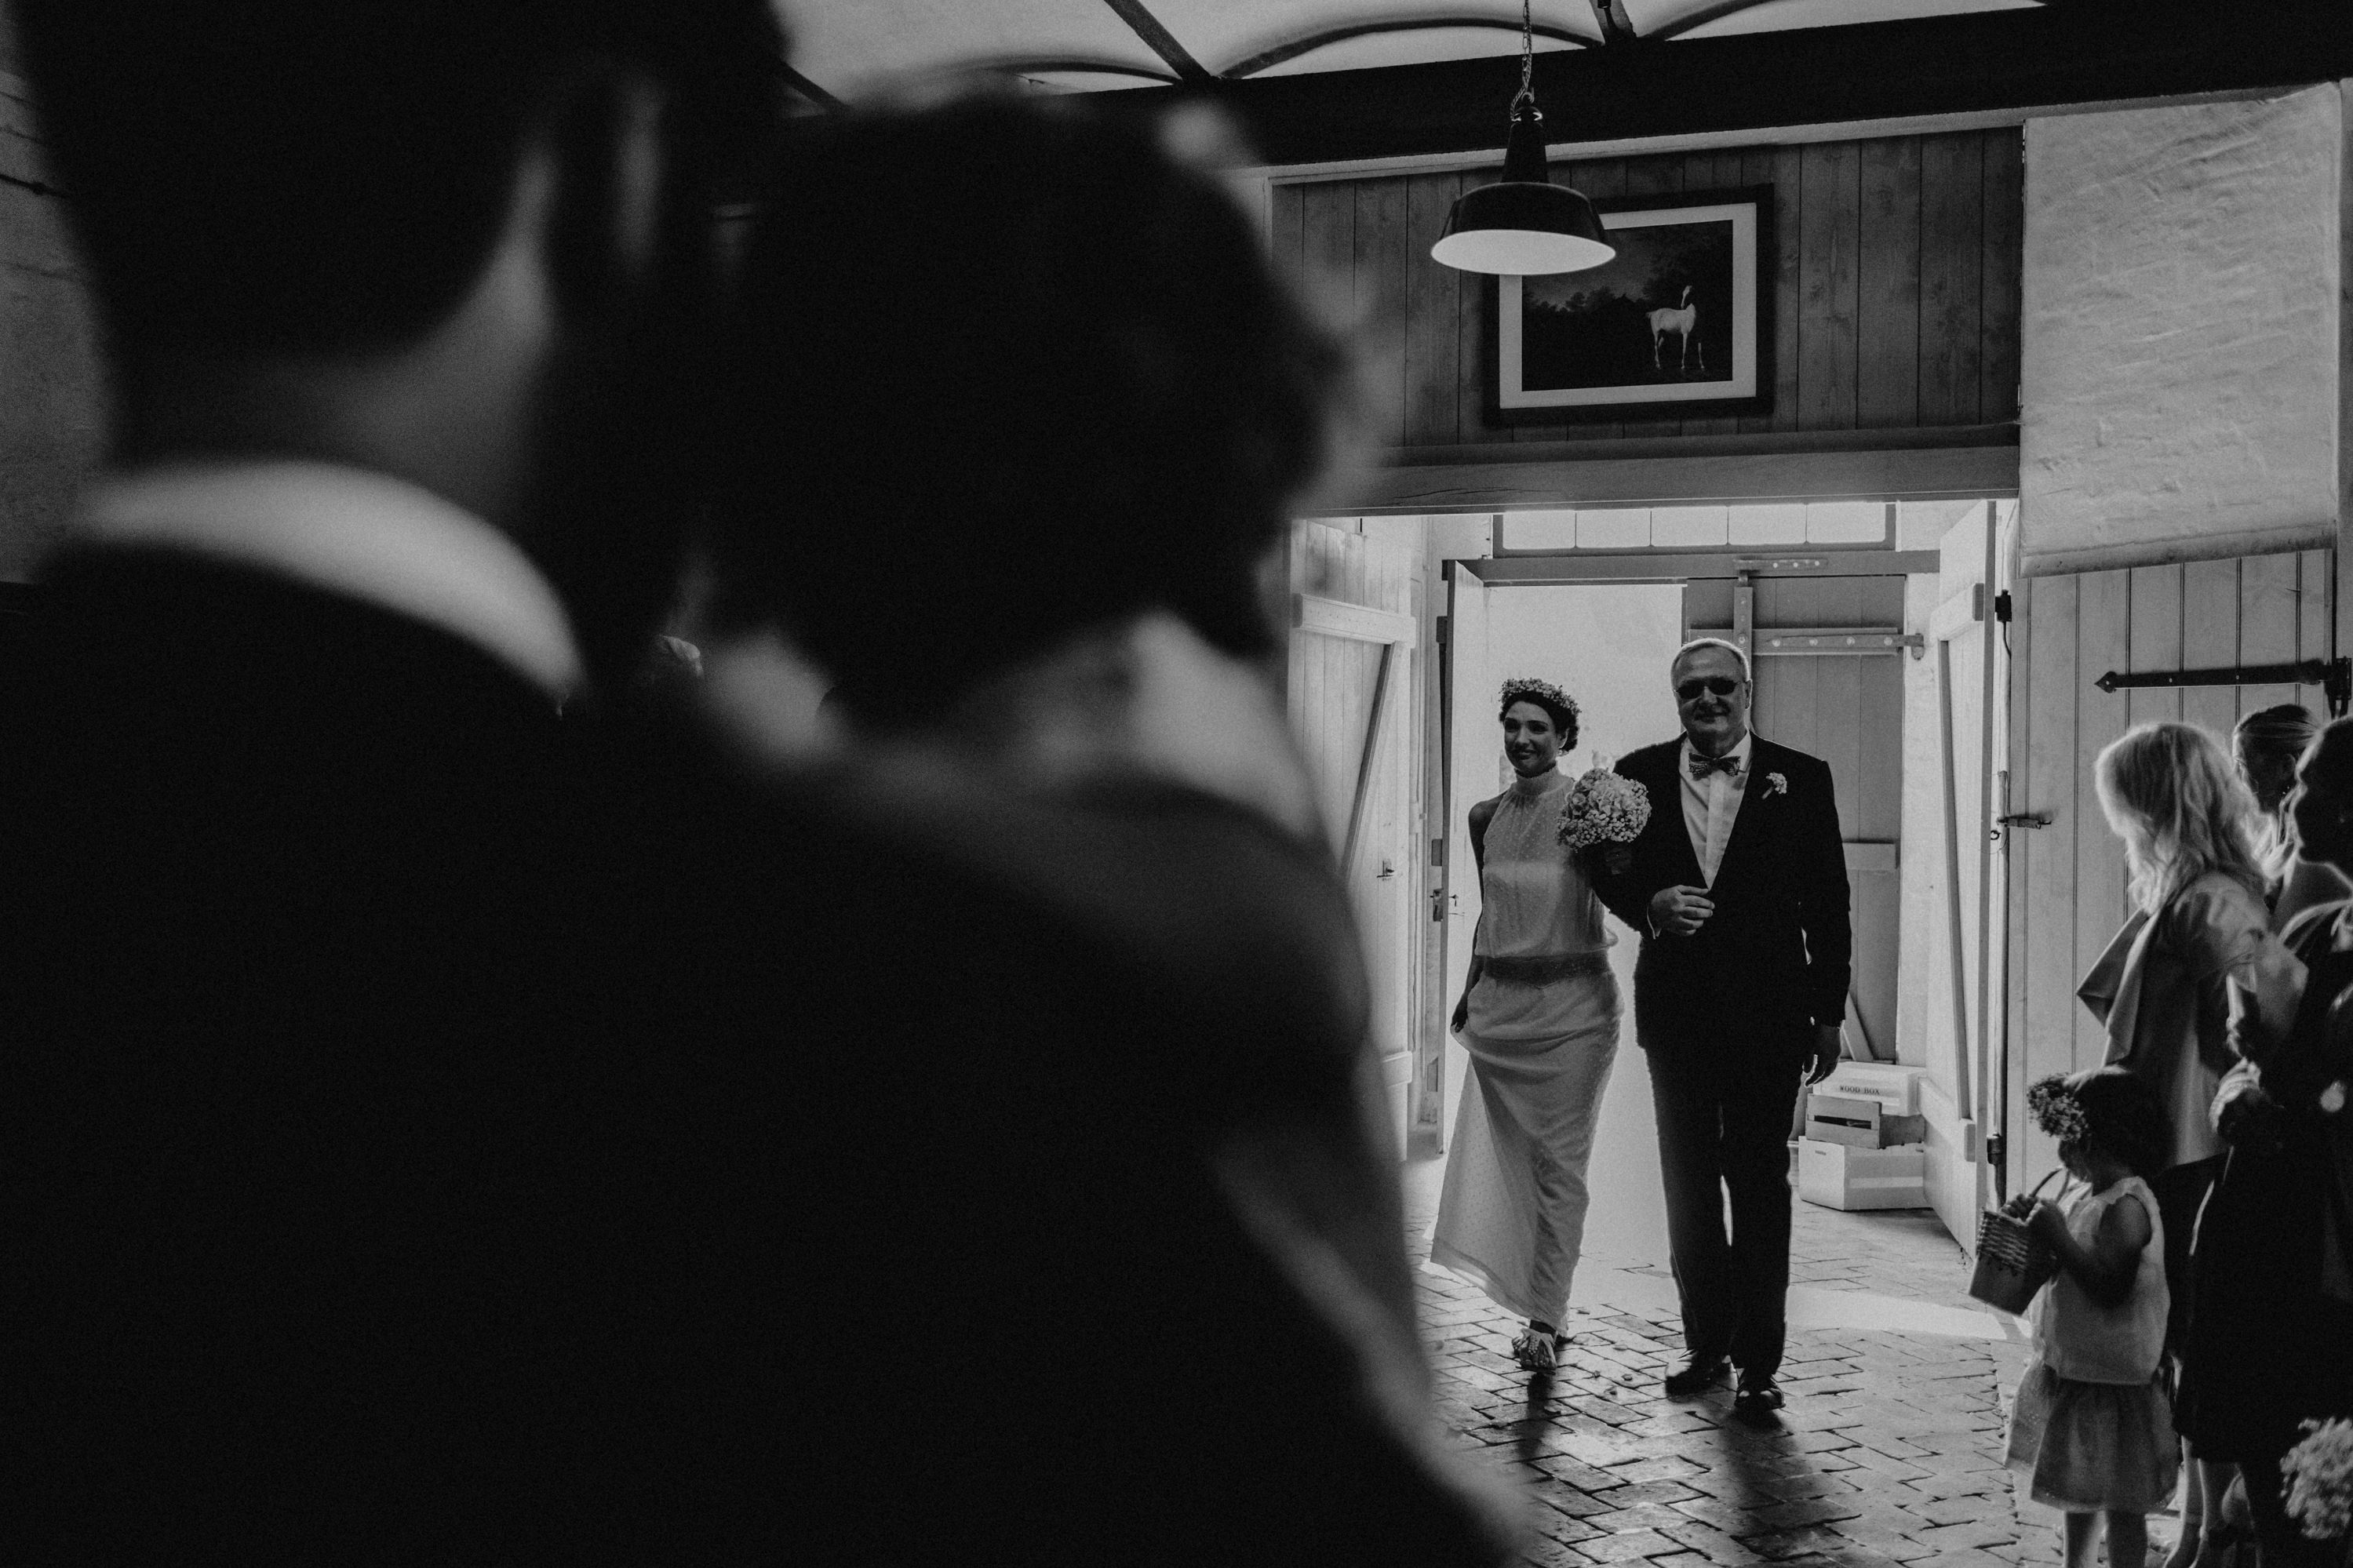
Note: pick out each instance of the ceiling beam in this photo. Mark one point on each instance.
(1700, 16)
(1159, 39)
(1039, 65)
(2088, 51)
(1267, 59)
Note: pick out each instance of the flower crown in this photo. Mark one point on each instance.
(1544, 693)
(2058, 1111)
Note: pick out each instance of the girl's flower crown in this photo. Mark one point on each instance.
(2058, 1111)
(1544, 693)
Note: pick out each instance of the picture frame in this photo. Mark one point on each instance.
(1678, 324)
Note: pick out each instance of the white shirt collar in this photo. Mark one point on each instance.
(1740, 750)
(366, 535)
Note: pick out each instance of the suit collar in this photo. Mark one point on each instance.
(363, 535)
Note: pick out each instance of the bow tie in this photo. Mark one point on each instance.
(1728, 764)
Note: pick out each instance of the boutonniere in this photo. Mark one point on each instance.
(1776, 784)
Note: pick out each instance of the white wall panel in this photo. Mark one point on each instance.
(2179, 335)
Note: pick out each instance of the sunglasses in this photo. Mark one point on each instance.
(1713, 685)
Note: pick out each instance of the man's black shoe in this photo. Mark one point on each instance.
(1757, 1401)
(1696, 1374)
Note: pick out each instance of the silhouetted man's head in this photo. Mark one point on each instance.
(273, 195)
(286, 177)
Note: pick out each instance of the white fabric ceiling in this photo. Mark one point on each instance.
(852, 47)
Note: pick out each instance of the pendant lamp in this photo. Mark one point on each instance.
(1525, 226)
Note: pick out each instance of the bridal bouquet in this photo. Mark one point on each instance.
(1604, 811)
(2319, 1474)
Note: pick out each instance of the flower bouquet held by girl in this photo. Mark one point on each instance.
(1602, 814)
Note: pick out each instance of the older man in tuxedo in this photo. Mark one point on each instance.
(1737, 885)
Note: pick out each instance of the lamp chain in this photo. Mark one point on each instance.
(1527, 93)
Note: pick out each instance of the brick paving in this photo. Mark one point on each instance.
(1889, 1452)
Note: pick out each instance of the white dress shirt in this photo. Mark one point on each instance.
(1711, 806)
(352, 532)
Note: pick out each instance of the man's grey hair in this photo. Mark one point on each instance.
(1734, 648)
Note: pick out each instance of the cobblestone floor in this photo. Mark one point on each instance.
(1890, 1450)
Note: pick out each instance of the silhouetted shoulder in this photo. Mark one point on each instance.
(1649, 759)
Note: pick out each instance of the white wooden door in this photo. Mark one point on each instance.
(1353, 694)
(1967, 1009)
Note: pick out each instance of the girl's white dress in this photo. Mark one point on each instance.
(2093, 1430)
(1510, 1218)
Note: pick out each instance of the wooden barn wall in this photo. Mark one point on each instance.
(1896, 292)
(2067, 880)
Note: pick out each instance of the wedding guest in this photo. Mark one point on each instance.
(2267, 745)
(2162, 986)
(2271, 1329)
(353, 1214)
(1047, 432)
(1539, 1016)
(2090, 1429)
(1737, 883)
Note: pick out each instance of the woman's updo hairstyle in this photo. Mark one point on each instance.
(2277, 735)
(2107, 1109)
(1025, 366)
(1558, 705)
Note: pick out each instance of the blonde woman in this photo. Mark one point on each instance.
(2199, 925)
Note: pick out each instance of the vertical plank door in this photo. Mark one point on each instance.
(1352, 694)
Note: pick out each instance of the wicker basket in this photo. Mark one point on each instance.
(2012, 1264)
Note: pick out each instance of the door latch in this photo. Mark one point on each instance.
(2025, 819)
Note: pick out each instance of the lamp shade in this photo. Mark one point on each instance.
(1522, 226)
(1523, 229)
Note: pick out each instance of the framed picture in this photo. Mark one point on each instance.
(1677, 324)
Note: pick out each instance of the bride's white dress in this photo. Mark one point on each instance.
(1510, 1218)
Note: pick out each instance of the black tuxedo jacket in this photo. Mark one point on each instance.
(1775, 956)
(435, 1131)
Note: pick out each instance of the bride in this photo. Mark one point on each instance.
(1539, 1016)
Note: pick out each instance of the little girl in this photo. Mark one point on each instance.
(2092, 1428)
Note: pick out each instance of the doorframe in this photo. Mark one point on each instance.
(1670, 566)
(1569, 569)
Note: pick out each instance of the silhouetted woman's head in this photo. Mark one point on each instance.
(2321, 803)
(2173, 796)
(1013, 369)
(2269, 744)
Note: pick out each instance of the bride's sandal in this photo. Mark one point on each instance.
(1539, 1347)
